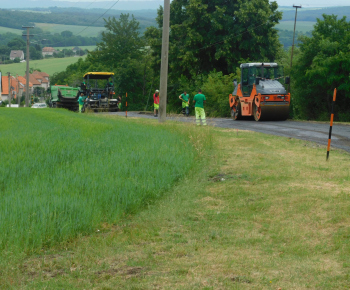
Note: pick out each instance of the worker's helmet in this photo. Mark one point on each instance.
(157, 91)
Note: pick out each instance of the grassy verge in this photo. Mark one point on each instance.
(49, 65)
(258, 212)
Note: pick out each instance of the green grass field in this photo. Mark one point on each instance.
(75, 29)
(303, 26)
(255, 212)
(50, 65)
(12, 30)
(88, 47)
(70, 172)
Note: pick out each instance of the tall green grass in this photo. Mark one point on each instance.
(63, 174)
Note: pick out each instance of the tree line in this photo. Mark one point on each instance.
(208, 42)
(10, 41)
(66, 16)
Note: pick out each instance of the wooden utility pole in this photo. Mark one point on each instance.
(17, 92)
(164, 63)
(10, 94)
(27, 60)
(291, 57)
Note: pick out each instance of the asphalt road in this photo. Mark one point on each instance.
(310, 131)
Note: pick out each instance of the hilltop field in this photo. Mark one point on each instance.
(104, 202)
(49, 65)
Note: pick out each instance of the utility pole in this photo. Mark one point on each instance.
(10, 94)
(17, 92)
(164, 63)
(27, 61)
(295, 23)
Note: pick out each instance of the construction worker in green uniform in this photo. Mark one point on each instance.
(185, 103)
(81, 102)
(199, 101)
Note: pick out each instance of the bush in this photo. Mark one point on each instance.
(216, 87)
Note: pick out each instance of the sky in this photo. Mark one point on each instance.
(145, 4)
(304, 3)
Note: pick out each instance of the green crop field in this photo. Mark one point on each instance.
(88, 47)
(63, 174)
(12, 30)
(75, 29)
(302, 26)
(50, 65)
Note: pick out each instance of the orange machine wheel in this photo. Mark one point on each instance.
(257, 112)
(236, 113)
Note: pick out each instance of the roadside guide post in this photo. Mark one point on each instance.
(330, 127)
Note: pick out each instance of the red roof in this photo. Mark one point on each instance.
(48, 49)
(5, 84)
(33, 80)
(24, 81)
(43, 74)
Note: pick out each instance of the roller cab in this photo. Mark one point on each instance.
(261, 93)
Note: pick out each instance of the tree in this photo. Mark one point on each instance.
(17, 60)
(218, 34)
(323, 64)
(17, 44)
(67, 34)
(121, 42)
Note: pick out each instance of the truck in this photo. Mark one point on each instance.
(261, 93)
(63, 96)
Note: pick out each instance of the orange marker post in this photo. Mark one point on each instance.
(126, 105)
(330, 128)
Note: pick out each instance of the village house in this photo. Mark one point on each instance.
(17, 53)
(17, 87)
(43, 78)
(48, 51)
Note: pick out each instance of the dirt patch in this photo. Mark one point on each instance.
(127, 272)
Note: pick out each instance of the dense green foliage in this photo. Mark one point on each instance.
(286, 37)
(218, 34)
(63, 174)
(323, 65)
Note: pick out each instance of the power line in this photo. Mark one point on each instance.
(99, 17)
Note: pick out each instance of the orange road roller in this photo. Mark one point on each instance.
(260, 93)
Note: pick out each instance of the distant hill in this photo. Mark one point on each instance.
(123, 5)
(311, 14)
(15, 18)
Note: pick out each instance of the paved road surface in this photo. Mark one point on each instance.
(310, 131)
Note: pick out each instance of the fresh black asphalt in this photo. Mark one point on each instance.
(310, 131)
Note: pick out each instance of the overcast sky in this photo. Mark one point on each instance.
(304, 3)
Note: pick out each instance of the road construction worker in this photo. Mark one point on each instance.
(81, 102)
(199, 101)
(119, 102)
(156, 103)
(185, 103)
